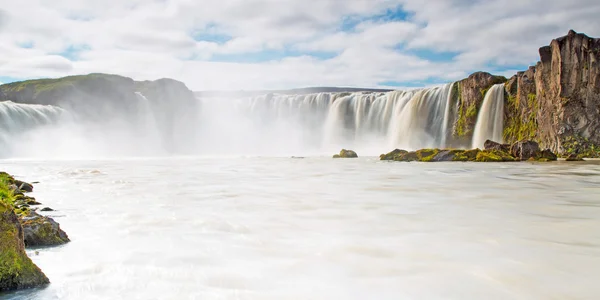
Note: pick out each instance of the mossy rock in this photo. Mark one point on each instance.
(17, 271)
(494, 156)
(392, 155)
(346, 154)
(42, 231)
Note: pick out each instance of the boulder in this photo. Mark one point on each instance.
(524, 150)
(491, 145)
(392, 155)
(24, 186)
(40, 231)
(346, 154)
(17, 271)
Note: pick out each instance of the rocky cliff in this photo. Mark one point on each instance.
(557, 101)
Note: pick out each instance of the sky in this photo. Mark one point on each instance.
(276, 44)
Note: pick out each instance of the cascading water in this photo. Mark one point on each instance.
(369, 122)
(16, 119)
(272, 124)
(489, 124)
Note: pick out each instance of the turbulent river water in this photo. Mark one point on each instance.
(317, 228)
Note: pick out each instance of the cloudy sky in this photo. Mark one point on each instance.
(258, 44)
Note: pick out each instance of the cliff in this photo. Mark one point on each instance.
(557, 102)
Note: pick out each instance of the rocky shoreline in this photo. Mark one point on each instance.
(492, 152)
(20, 227)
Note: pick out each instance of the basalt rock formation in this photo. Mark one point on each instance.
(557, 101)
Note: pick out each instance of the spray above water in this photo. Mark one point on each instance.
(272, 124)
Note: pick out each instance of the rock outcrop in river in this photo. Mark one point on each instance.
(20, 227)
(493, 152)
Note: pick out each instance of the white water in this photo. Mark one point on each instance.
(275, 125)
(490, 121)
(317, 228)
(369, 123)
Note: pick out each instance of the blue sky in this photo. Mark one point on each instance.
(268, 44)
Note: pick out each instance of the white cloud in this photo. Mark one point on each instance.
(149, 39)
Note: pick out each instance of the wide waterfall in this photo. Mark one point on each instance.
(370, 122)
(490, 119)
(17, 119)
(271, 124)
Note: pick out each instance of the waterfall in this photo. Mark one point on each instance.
(369, 122)
(17, 119)
(489, 124)
(423, 121)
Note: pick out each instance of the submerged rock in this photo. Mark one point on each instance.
(346, 154)
(17, 271)
(40, 231)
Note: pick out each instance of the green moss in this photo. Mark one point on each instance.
(579, 146)
(427, 155)
(472, 111)
(521, 124)
(16, 269)
(493, 156)
(393, 155)
(461, 123)
(484, 91)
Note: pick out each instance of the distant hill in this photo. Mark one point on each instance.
(300, 91)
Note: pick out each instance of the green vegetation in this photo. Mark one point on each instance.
(579, 146)
(16, 269)
(432, 155)
(493, 156)
(461, 123)
(521, 124)
(38, 86)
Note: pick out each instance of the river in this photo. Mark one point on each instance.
(317, 228)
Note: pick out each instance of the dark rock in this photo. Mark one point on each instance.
(17, 271)
(346, 154)
(491, 145)
(42, 231)
(524, 150)
(24, 186)
(548, 155)
(47, 209)
(445, 155)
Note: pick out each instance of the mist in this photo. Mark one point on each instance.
(369, 122)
